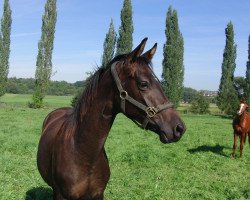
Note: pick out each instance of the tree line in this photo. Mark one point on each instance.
(27, 86)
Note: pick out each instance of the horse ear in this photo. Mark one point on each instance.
(138, 50)
(150, 53)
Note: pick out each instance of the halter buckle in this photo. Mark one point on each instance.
(123, 94)
(151, 111)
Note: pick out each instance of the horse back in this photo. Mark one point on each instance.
(55, 115)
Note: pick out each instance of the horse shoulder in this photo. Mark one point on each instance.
(67, 164)
(79, 178)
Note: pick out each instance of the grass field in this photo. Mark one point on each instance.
(21, 100)
(197, 167)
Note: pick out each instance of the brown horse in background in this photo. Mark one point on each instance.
(241, 126)
(71, 156)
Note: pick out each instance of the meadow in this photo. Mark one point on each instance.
(199, 166)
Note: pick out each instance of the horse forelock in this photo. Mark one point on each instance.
(125, 58)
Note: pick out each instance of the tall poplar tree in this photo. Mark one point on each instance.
(5, 46)
(125, 39)
(44, 57)
(173, 57)
(247, 92)
(227, 99)
(109, 45)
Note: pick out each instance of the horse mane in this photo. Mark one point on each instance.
(87, 96)
(90, 91)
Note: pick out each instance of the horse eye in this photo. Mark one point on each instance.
(143, 85)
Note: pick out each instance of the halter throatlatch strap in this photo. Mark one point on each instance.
(149, 110)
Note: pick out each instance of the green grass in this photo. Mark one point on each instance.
(198, 167)
(185, 108)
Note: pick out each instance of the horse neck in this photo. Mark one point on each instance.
(96, 123)
(245, 116)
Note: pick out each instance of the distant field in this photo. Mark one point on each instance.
(142, 168)
(21, 100)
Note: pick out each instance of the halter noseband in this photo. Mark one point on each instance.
(149, 110)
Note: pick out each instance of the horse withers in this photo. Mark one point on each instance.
(241, 126)
(71, 156)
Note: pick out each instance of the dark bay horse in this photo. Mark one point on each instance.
(71, 156)
(241, 126)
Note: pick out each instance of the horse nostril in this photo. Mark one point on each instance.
(178, 130)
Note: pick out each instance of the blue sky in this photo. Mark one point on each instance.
(82, 25)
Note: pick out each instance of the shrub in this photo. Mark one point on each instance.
(76, 98)
(200, 105)
(37, 101)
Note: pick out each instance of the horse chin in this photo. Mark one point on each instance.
(166, 134)
(165, 139)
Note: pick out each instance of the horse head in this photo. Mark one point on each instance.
(140, 95)
(242, 107)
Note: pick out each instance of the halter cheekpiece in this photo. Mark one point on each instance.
(150, 111)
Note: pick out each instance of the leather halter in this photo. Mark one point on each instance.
(149, 110)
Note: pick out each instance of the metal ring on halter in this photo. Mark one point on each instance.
(151, 111)
(123, 94)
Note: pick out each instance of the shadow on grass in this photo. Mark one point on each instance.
(233, 193)
(39, 193)
(217, 149)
